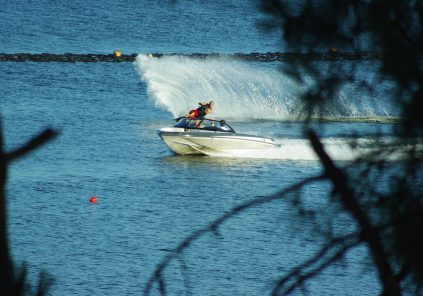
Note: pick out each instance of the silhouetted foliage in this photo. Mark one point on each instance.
(389, 218)
(13, 281)
(395, 30)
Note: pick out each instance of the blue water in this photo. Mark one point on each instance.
(148, 198)
(59, 26)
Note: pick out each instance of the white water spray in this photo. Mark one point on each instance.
(241, 90)
(339, 149)
(298, 150)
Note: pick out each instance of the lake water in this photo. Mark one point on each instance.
(148, 199)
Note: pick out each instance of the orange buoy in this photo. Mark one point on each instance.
(93, 199)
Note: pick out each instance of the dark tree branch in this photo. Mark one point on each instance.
(10, 284)
(213, 227)
(185, 274)
(7, 275)
(32, 144)
(299, 277)
(369, 233)
(162, 285)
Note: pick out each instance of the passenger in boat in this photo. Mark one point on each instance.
(200, 112)
(223, 126)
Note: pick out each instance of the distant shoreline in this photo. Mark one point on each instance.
(258, 57)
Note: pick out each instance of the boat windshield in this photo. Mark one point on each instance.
(204, 124)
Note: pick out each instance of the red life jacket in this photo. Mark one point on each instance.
(193, 113)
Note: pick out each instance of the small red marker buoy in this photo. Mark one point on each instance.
(93, 199)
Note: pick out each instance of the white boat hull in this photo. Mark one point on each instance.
(185, 142)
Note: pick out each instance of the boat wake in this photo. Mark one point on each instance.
(339, 149)
(295, 149)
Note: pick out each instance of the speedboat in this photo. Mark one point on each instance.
(209, 137)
